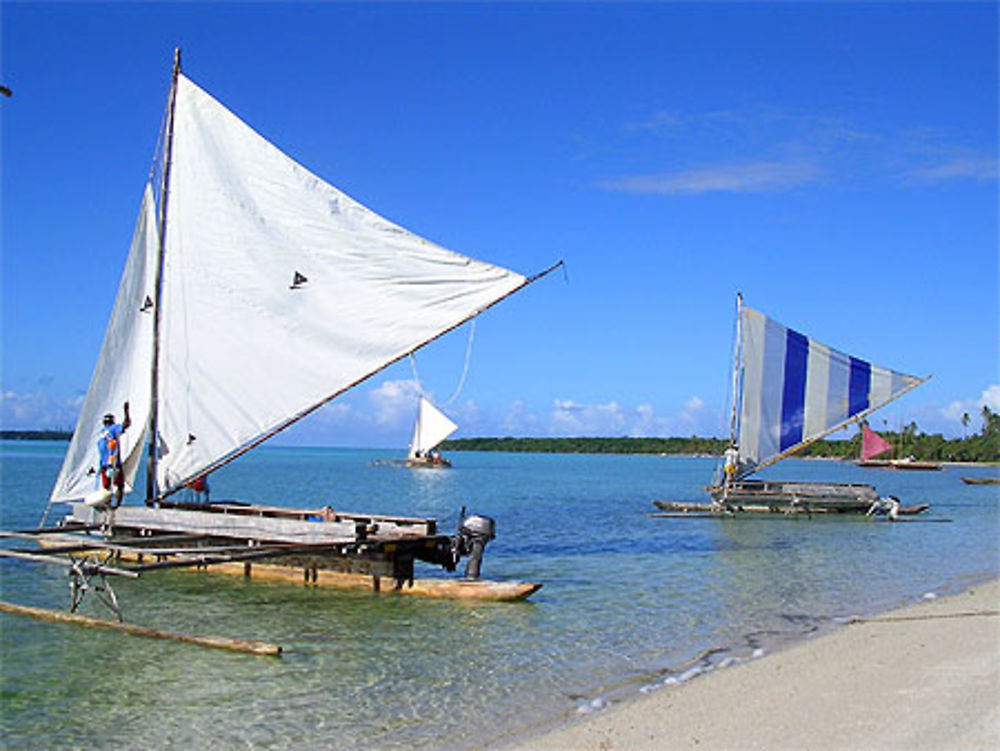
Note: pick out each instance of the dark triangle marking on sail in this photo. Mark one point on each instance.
(298, 280)
(147, 305)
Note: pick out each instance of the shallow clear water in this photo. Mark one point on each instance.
(628, 602)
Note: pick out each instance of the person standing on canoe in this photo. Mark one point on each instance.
(109, 449)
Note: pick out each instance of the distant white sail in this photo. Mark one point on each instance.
(280, 291)
(122, 372)
(432, 427)
(795, 389)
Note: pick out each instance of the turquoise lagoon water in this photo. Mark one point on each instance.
(630, 603)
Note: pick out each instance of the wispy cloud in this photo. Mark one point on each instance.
(752, 177)
(759, 149)
(978, 169)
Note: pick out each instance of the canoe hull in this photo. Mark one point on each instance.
(778, 497)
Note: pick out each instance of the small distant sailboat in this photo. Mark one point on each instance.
(872, 445)
(790, 391)
(432, 427)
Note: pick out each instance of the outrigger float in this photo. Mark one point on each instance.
(789, 391)
(254, 293)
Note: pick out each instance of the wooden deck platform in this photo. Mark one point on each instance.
(315, 547)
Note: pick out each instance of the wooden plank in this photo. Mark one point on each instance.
(216, 642)
(272, 528)
(228, 525)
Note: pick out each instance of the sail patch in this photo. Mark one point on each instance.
(794, 389)
(793, 398)
(860, 386)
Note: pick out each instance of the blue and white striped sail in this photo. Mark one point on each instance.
(795, 389)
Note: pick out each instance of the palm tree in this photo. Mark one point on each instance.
(965, 424)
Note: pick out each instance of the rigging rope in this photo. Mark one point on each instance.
(157, 151)
(465, 368)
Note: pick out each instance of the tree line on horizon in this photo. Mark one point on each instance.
(983, 446)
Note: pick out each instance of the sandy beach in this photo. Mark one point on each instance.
(922, 677)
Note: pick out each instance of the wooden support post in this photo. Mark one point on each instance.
(217, 642)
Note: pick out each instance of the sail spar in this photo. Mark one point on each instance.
(795, 390)
(280, 291)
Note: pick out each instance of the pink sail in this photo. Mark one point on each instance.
(872, 444)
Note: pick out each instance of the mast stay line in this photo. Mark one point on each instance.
(309, 410)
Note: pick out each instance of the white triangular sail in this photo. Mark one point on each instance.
(122, 372)
(432, 427)
(280, 291)
(795, 389)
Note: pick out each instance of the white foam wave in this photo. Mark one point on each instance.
(594, 705)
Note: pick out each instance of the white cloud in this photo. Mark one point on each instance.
(980, 169)
(694, 404)
(394, 402)
(613, 419)
(951, 416)
(752, 177)
(38, 411)
(519, 421)
(991, 397)
(571, 418)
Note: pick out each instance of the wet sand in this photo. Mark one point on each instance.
(922, 677)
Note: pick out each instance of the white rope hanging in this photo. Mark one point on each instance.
(465, 368)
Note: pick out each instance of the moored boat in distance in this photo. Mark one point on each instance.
(872, 445)
(907, 463)
(981, 480)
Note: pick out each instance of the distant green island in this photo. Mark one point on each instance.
(36, 435)
(981, 447)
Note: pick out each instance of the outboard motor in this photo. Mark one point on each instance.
(473, 533)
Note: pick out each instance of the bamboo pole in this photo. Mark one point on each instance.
(216, 642)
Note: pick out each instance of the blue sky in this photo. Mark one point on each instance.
(837, 163)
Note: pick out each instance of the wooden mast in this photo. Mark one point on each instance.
(736, 369)
(151, 488)
(726, 480)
